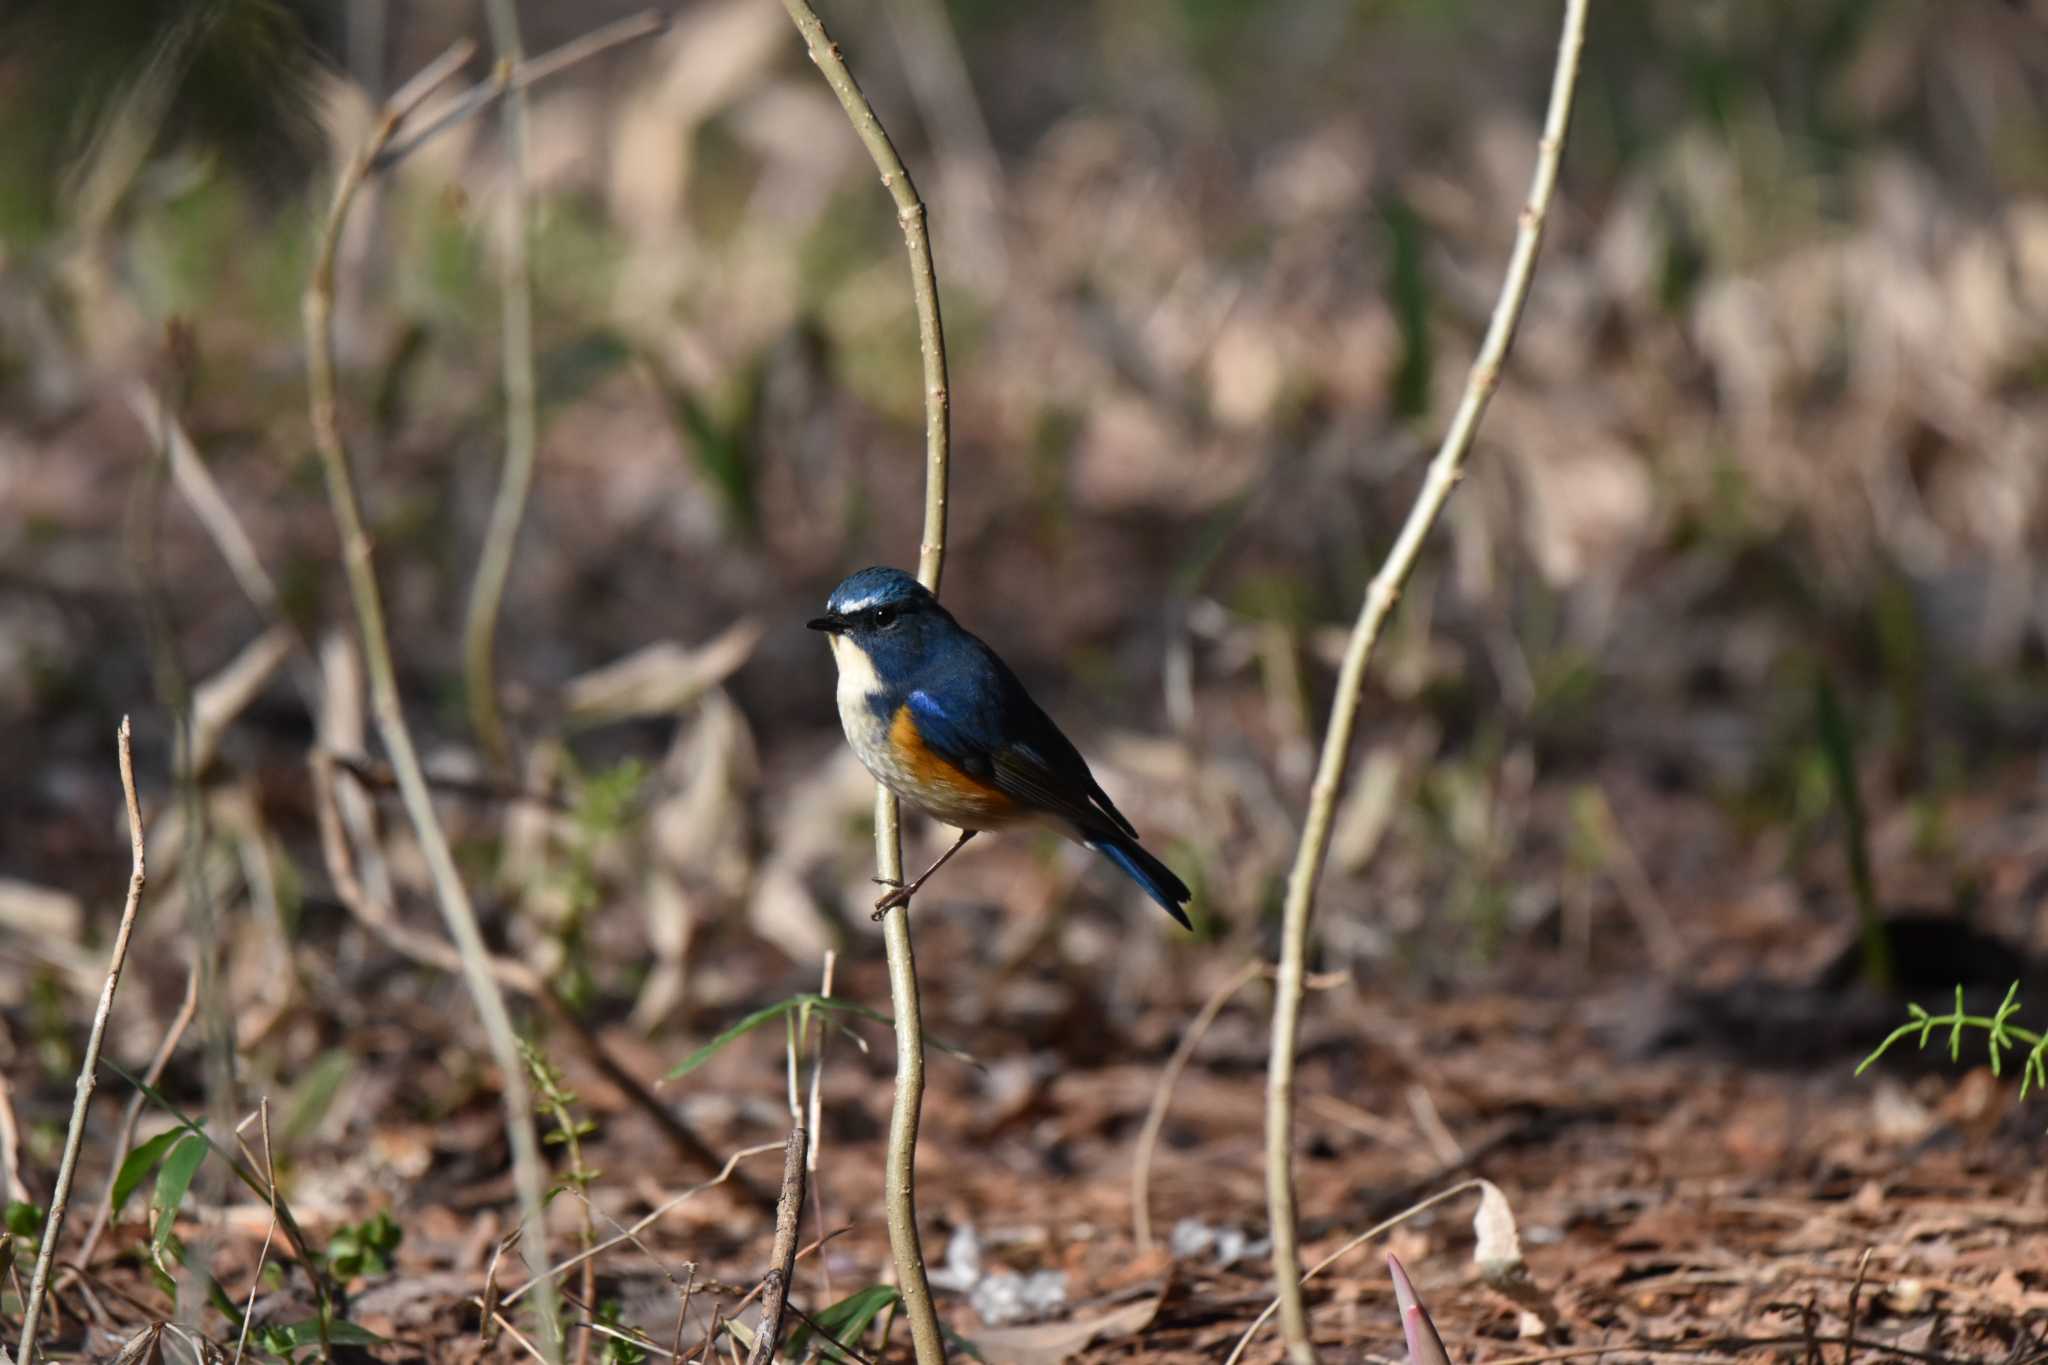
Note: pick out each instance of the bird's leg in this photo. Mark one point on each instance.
(902, 894)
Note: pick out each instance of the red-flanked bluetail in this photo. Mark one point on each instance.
(944, 723)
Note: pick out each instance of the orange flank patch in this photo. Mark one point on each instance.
(942, 789)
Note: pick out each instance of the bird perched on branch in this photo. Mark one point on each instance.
(943, 723)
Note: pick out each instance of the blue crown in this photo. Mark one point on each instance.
(872, 588)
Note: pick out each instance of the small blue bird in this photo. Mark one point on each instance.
(942, 722)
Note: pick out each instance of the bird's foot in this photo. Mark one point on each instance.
(890, 882)
(899, 896)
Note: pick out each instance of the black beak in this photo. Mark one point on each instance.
(831, 625)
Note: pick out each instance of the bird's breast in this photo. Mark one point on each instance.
(886, 740)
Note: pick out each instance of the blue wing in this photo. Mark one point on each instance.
(974, 713)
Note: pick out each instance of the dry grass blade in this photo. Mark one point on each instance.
(522, 409)
(89, 1065)
(1380, 595)
(1162, 1094)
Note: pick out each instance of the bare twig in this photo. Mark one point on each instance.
(1855, 1304)
(812, 1119)
(88, 1068)
(1155, 1116)
(504, 79)
(899, 1180)
(132, 1114)
(508, 509)
(263, 1256)
(529, 1174)
(675, 1346)
(646, 1221)
(1380, 594)
(782, 1260)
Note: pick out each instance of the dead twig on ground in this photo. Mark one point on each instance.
(899, 1181)
(89, 1065)
(1380, 595)
(782, 1260)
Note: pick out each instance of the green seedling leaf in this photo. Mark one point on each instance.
(314, 1095)
(768, 1013)
(139, 1163)
(618, 1351)
(171, 1183)
(365, 1248)
(845, 1321)
(297, 1336)
(25, 1220)
(716, 1045)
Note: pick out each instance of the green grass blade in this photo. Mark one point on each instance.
(135, 1168)
(171, 1183)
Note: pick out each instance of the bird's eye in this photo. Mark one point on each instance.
(884, 617)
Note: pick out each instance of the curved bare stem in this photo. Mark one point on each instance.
(1380, 595)
(1155, 1117)
(899, 1185)
(529, 1173)
(522, 421)
(89, 1067)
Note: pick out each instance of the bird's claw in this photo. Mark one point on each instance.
(899, 896)
(889, 882)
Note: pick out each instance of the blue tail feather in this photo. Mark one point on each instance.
(1148, 872)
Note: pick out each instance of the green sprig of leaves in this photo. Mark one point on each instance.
(2003, 1036)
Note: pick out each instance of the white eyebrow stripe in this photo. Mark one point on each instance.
(848, 608)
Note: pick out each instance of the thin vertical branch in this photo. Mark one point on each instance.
(529, 1174)
(899, 1182)
(1380, 595)
(782, 1262)
(89, 1066)
(508, 509)
(132, 1114)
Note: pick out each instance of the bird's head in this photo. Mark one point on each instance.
(885, 616)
